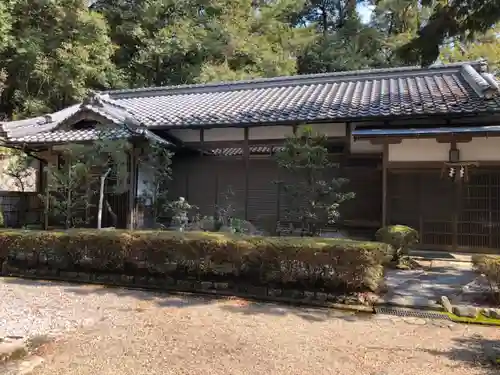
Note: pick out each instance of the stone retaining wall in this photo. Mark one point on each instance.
(355, 301)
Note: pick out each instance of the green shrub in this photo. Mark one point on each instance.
(400, 237)
(310, 263)
(489, 265)
(2, 220)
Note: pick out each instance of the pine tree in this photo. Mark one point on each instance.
(313, 199)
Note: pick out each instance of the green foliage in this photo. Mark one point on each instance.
(486, 46)
(401, 238)
(20, 169)
(294, 262)
(157, 163)
(73, 185)
(55, 51)
(171, 42)
(2, 220)
(50, 59)
(313, 198)
(450, 21)
(489, 265)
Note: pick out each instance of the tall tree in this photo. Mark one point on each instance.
(451, 20)
(5, 39)
(170, 42)
(343, 41)
(485, 46)
(398, 21)
(56, 51)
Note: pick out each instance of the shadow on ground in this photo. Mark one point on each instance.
(179, 300)
(475, 351)
(311, 314)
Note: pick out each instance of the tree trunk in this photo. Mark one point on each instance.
(101, 198)
(112, 213)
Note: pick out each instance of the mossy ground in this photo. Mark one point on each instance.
(480, 319)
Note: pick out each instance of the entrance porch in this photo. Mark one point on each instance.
(445, 183)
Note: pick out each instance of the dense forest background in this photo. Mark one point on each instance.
(53, 51)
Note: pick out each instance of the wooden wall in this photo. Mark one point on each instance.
(204, 181)
(452, 216)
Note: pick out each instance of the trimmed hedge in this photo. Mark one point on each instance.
(332, 265)
(489, 265)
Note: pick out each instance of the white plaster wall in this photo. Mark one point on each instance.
(479, 149)
(255, 133)
(186, 135)
(419, 150)
(270, 132)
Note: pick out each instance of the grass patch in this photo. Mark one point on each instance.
(480, 319)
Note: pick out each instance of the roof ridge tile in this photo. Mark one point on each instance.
(281, 81)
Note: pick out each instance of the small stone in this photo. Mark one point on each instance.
(69, 275)
(309, 295)
(140, 280)
(5, 268)
(320, 296)
(415, 321)
(126, 279)
(206, 285)
(446, 304)
(221, 285)
(273, 292)
(492, 313)
(466, 311)
(12, 349)
(333, 298)
(185, 285)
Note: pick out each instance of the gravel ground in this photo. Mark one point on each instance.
(115, 331)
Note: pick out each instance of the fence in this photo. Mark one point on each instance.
(21, 208)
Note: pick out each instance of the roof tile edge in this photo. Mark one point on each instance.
(478, 65)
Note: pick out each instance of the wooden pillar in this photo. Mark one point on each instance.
(40, 179)
(246, 156)
(132, 201)
(216, 198)
(186, 195)
(202, 141)
(457, 191)
(47, 200)
(421, 203)
(385, 162)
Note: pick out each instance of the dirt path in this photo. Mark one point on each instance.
(133, 332)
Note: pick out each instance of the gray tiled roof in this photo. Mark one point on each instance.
(456, 89)
(63, 136)
(83, 135)
(254, 150)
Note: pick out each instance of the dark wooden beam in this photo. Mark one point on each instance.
(347, 139)
(246, 155)
(132, 187)
(385, 162)
(457, 138)
(386, 140)
(210, 145)
(202, 141)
